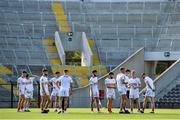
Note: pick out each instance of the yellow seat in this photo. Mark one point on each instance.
(55, 61)
(49, 41)
(61, 18)
(51, 49)
(5, 70)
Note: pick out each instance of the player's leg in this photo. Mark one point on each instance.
(92, 104)
(27, 104)
(152, 104)
(42, 104)
(109, 105)
(97, 104)
(144, 103)
(21, 102)
(52, 97)
(48, 101)
(138, 104)
(131, 104)
(57, 102)
(60, 104)
(121, 103)
(65, 103)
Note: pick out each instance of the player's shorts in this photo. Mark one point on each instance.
(28, 94)
(134, 94)
(64, 93)
(150, 93)
(111, 94)
(94, 93)
(21, 92)
(122, 91)
(55, 92)
(44, 93)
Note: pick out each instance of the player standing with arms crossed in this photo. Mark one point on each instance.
(111, 85)
(94, 91)
(66, 84)
(135, 84)
(28, 92)
(44, 92)
(150, 92)
(21, 89)
(55, 90)
(121, 85)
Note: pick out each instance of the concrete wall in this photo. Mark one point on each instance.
(159, 56)
(81, 98)
(87, 55)
(60, 48)
(75, 44)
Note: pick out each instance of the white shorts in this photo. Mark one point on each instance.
(43, 93)
(150, 93)
(28, 94)
(21, 92)
(55, 92)
(110, 94)
(122, 90)
(94, 94)
(134, 94)
(64, 93)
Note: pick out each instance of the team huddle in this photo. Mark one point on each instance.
(126, 83)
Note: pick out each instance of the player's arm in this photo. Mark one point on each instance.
(71, 87)
(115, 85)
(58, 84)
(18, 86)
(149, 86)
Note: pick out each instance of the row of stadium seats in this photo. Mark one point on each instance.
(171, 99)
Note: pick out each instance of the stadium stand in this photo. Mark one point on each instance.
(115, 31)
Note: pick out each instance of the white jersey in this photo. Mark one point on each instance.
(150, 82)
(120, 79)
(94, 83)
(110, 81)
(134, 82)
(44, 80)
(21, 83)
(29, 84)
(53, 81)
(65, 81)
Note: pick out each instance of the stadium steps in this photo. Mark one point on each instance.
(5, 70)
(52, 53)
(61, 18)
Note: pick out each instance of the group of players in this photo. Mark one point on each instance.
(125, 82)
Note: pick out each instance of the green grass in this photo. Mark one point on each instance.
(84, 114)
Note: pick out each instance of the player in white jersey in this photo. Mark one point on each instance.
(28, 92)
(94, 91)
(55, 90)
(65, 91)
(44, 92)
(121, 85)
(135, 84)
(21, 89)
(111, 85)
(150, 92)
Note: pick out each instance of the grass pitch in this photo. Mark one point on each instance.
(85, 114)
